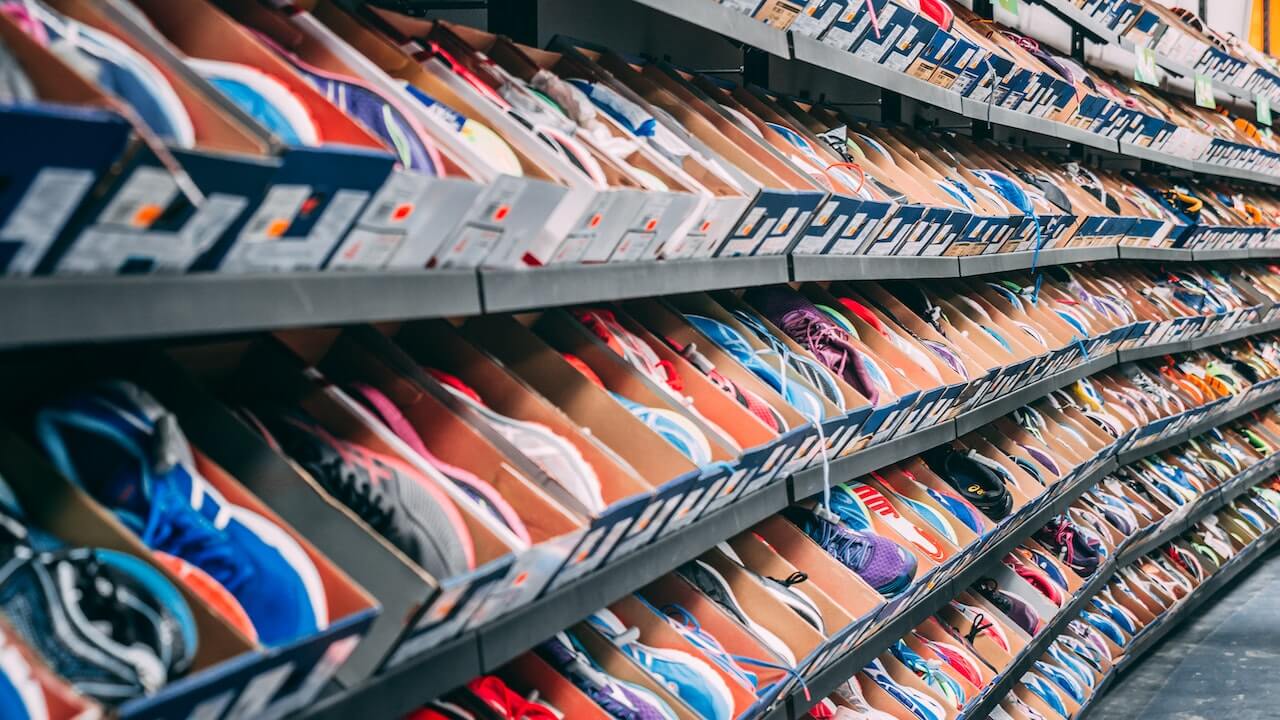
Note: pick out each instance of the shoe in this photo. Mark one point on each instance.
(507, 703)
(394, 499)
(620, 699)
(557, 457)
(1104, 625)
(484, 494)
(872, 500)
(264, 97)
(690, 679)
(799, 397)
(1075, 666)
(935, 519)
(817, 374)
(712, 584)
(930, 673)
(854, 514)
(979, 625)
(1012, 606)
(1063, 679)
(979, 480)
(885, 566)
(857, 707)
(954, 656)
(1095, 639)
(1079, 553)
(1036, 578)
(960, 509)
(1044, 690)
(1120, 616)
(750, 401)
(1085, 652)
(128, 452)
(21, 697)
(785, 590)
(814, 331)
(1046, 565)
(917, 703)
(106, 622)
(683, 622)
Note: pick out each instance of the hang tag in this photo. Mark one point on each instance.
(1204, 92)
(1144, 70)
(1010, 6)
(1264, 109)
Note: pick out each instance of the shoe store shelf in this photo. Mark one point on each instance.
(1221, 254)
(867, 650)
(1177, 346)
(93, 309)
(977, 417)
(1129, 252)
(725, 21)
(1037, 647)
(1267, 397)
(1008, 262)
(872, 267)
(533, 288)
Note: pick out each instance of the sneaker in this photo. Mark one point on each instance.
(264, 97)
(979, 480)
(712, 584)
(394, 499)
(484, 494)
(1072, 547)
(872, 500)
(814, 331)
(21, 697)
(1012, 606)
(979, 625)
(690, 679)
(850, 692)
(959, 508)
(1120, 616)
(1074, 665)
(931, 673)
(1046, 565)
(817, 374)
(750, 401)
(1043, 689)
(127, 451)
(956, 657)
(885, 566)
(854, 514)
(620, 699)
(1036, 578)
(784, 590)
(1104, 625)
(935, 519)
(799, 397)
(507, 703)
(920, 705)
(1063, 679)
(106, 622)
(683, 622)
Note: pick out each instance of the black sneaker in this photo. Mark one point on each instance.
(978, 479)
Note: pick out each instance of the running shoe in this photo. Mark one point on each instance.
(1013, 607)
(691, 679)
(1104, 625)
(885, 566)
(1045, 691)
(108, 623)
(956, 657)
(804, 400)
(978, 479)
(683, 622)
(917, 703)
(507, 703)
(21, 697)
(786, 590)
(872, 500)
(711, 583)
(979, 625)
(1080, 553)
(931, 673)
(393, 498)
(128, 452)
(850, 692)
(1063, 679)
(622, 700)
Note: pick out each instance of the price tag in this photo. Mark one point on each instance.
(1144, 70)
(1204, 92)
(1010, 6)
(1264, 109)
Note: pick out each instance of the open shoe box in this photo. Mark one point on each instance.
(231, 669)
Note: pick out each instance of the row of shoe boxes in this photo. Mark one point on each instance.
(239, 200)
(647, 487)
(973, 57)
(1139, 597)
(898, 505)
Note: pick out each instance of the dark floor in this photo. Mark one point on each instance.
(1222, 665)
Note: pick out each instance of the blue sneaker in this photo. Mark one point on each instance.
(931, 673)
(128, 452)
(1118, 615)
(1045, 692)
(1062, 679)
(1104, 625)
(21, 697)
(691, 679)
(917, 703)
(108, 623)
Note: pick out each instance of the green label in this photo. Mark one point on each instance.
(1144, 70)
(1204, 92)
(1010, 6)
(1264, 109)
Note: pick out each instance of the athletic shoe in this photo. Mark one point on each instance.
(1044, 690)
(393, 498)
(1036, 578)
(620, 699)
(1012, 606)
(1077, 667)
(979, 625)
(959, 508)
(690, 679)
(683, 622)
(21, 697)
(1120, 616)
(885, 566)
(108, 623)
(850, 692)
(931, 673)
(1104, 625)
(712, 584)
(979, 480)
(935, 519)
(210, 592)
(804, 400)
(813, 330)
(874, 501)
(127, 451)
(854, 514)
(556, 456)
(484, 494)
(507, 703)
(1046, 564)
(1063, 679)
(1078, 552)
(749, 400)
(269, 101)
(917, 703)
(784, 590)
(811, 370)
(1093, 637)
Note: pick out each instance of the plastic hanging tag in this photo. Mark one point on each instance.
(1144, 69)
(1264, 109)
(1204, 92)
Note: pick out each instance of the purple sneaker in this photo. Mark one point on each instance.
(882, 563)
(804, 323)
(620, 699)
(1013, 607)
